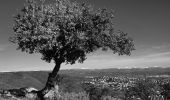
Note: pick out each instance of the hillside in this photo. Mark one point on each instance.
(37, 79)
(10, 80)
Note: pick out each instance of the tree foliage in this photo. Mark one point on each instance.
(66, 31)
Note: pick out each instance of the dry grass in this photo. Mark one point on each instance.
(65, 96)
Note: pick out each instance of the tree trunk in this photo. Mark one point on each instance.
(51, 81)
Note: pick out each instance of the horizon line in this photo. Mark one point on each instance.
(85, 69)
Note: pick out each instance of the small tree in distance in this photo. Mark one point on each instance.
(66, 32)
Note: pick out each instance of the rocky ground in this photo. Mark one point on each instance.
(19, 94)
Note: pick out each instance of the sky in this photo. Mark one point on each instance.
(146, 21)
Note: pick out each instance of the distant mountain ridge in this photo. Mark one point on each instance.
(37, 79)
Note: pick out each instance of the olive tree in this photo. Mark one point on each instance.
(65, 32)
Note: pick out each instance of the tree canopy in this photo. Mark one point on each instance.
(66, 31)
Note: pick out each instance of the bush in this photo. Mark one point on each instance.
(166, 90)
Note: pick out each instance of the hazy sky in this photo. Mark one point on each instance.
(146, 21)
